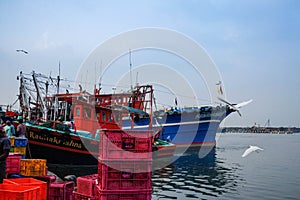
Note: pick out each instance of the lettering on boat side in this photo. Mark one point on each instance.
(71, 143)
(54, 140)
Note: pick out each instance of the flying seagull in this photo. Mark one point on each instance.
(235, 107)
(250, 150)
(21, 50)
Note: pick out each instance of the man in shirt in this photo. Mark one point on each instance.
(21, 128)
(9, 129)
(4, 152)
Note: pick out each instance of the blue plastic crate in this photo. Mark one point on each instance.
(21, 142)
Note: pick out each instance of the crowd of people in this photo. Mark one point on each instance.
(7, 129)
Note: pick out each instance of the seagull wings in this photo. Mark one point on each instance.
(250, 150)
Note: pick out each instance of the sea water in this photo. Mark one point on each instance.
(273, 173)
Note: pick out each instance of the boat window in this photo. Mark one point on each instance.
(110, 117)
(87, 113)
(77, 112)
(95, 115)
(117, 118)
(103, 116)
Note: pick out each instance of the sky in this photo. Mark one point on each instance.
(254, 44)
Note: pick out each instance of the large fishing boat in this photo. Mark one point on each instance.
(65, 128)
(190, 126)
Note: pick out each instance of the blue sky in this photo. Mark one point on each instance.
(254, 44)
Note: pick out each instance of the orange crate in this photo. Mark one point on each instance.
(33, 167)
(11, 192)
(12, 141)
(21, 150)
(29, 182)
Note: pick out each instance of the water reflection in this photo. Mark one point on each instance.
(192, 177)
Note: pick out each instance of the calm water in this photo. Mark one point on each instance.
(223, 174)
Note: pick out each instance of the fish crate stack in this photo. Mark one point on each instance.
(13, 163)
(18, 145)
(124, 168)
(11, 192)
(61, 190)
(37, 188)
(87, 186)
(125, 165)
(33, 167)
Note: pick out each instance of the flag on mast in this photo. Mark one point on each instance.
(220, 90)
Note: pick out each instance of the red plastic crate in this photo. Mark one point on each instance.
(11, 192)
(124, 195)
(119, 144)
(13, 164)
(29, 182)
(87, 184)
(61, 190)
(79, 196)
(48, 179)
(124, 175)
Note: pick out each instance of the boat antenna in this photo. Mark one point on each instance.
(130, 65)
(95, 76)
(57, 92)
(58, 77)
(267, 124)
(100, 81)
(136, 79)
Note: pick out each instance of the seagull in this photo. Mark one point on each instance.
(250, 150)
(21, 50)
(235, 107)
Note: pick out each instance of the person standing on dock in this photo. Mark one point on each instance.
(21, 128)
(4, 152)
(9, 129)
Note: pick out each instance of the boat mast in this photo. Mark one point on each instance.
(130, 68)
(39, 97)
(24, 104)
(57, 92)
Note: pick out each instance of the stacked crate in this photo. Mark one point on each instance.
(61, 190)
(13, 164)
(125, 164)
(19, 182)
(86, 185)
(11, 192)
(18, 145)
(49, 179)
(33, 167)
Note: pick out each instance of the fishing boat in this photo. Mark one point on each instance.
(65, 128)
(190, 127)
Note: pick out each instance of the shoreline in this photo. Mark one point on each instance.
(270, 130)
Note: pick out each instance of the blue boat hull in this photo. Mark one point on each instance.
(193, 127)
